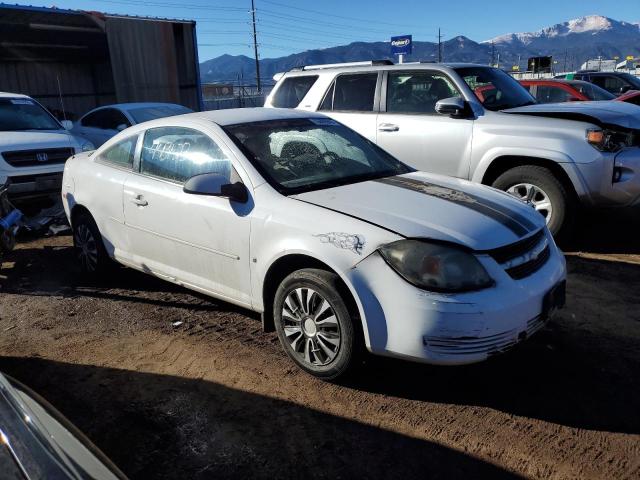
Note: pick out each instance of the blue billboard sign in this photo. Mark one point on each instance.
(401, 45)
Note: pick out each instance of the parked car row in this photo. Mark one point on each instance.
(34, 145)
(557, 91)
(478, 123)
(318, 211)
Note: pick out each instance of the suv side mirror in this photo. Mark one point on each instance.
(625, 89)
(455, 107)
(67, 124)
(216, 185)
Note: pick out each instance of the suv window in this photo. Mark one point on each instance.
(351, 93)
(551, 94)
(106, 119)
(608, 82)
(121, 153)
(292, 90)
(177, 154)
(417, 92)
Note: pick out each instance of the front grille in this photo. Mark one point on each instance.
(504, 254)
(32, 158)
(525, 269)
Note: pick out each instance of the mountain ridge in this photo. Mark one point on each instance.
(571, 43)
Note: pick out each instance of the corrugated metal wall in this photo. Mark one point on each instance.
(153, 61)
(82, 86)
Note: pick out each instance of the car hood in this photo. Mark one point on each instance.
(420, 205)
(28, 140)
(603, 113)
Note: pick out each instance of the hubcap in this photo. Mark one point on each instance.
(310, 327)
(86, 248)
(533, 196)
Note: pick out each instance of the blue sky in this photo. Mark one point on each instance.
(289, 26)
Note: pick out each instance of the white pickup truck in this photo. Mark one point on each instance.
(476, 122)
(34, 146)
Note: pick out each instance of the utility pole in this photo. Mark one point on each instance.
(439, 47)
(255, 45)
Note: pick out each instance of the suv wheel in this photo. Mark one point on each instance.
(88, 245)
(314, 323)
(538, 187)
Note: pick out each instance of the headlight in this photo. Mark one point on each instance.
(609, 140)
(436, 267)
(87, 146)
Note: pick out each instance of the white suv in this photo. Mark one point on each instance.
(33, 146)
(478, 123)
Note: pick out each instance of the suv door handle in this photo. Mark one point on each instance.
(388, 127)
(140, 201)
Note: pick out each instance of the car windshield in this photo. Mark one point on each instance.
(144, 114)
(495, 89)
(18, 114)
(301, 155)
(591, 91)
(635, 81)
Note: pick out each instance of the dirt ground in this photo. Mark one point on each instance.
(216, 398)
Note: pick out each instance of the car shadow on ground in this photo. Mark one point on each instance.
(160, 426)
(606, 231)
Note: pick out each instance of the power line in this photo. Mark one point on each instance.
(357, 19)
(190, 6)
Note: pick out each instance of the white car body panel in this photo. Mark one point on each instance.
(225, 249)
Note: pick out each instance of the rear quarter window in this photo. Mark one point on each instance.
(292, 90)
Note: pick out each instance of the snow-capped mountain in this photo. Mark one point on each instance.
(570, 43)
(595, 26)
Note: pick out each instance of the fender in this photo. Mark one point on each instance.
(563, 160)
(258, 300)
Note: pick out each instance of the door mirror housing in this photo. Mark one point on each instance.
(625, 89)
(455, 107)
(67, 124)
(216, 185)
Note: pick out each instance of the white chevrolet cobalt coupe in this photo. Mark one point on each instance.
(339, 245)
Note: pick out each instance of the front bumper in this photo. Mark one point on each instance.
(451, 329)
(598, 176)
(35, 185)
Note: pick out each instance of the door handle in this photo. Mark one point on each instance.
(140, 201)
(388, 127)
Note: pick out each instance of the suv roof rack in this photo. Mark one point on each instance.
(369, 63)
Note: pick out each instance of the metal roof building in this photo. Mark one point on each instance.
(76, 60)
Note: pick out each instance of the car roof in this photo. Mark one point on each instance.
(315, 69)
(13, 95)
(234, 116)
(134, 105)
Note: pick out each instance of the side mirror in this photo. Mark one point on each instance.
(216, 185)
(625, 89)
(121, 127)
(67, 124)
(455, 107)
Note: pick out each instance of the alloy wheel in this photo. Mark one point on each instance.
(533, 196)
(310, 326)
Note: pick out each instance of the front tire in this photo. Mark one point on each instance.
(88, 246)
(315, 325)
(540, 188)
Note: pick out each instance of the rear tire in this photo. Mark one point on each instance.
(542, 190)
(316, 327)
(88, 246)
